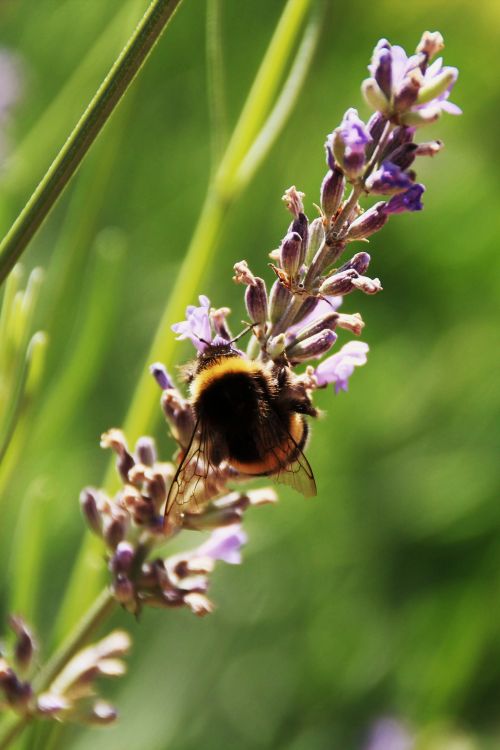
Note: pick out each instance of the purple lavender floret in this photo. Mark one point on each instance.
(410, 200)
(223, 544)
(197, 325)
(348, 143)
(406, 88)
(388, 179)
(338, 368)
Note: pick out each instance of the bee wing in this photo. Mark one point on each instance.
(297, 472)
(187, 490)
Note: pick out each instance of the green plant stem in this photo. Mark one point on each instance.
(94, 617)
(89, 126)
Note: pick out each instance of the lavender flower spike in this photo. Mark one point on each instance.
(197, 326)
(338, 368)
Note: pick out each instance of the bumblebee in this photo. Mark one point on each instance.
(249, 419)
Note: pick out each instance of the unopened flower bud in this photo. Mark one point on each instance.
(290, 253)
(420, 117)
(307, 307)
(279, 298)
(25, 645)
(349, 142)
(256, 301)
(293, 199)
(437, 85)
(338, 283)
(431, 148)
(88, 504)
(276, 346)
(213, 518)
(376, 126)
(431, 44)
(115, 529)
(332, 192)
(328, 321)
(313, 347)
(115, 440)
(242, 273)
(368, 223)
(406, 96)
(160, 374)
(300, 225)
(359, 262)
(353, 323)
(198, 603)
(382, 67)
(123, 558)
(374, 96)
(404, 155)
(367, 285)
(219, 320)
(145, 450)
(18, 694)
(123, 589)
(101, 713)
(179, 415)
(316, 239)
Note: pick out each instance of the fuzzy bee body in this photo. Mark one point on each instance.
(249, 416)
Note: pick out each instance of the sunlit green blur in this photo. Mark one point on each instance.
(381, 597)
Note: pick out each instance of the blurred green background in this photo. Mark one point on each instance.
(382, 596)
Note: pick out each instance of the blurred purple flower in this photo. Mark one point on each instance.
(223, 544)
(10, 82)
(10, 93)
(338, 368)
(197, 326)
(389, 734)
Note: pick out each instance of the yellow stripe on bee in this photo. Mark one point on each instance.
(221, 367)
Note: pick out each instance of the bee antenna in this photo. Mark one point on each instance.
(249, 327)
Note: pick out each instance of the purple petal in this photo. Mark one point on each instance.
(451, 108)
(197, 325)
(338, 368)
(389, 178)
(223, 544)
(354, 132)
(389, 734)
(407, 201)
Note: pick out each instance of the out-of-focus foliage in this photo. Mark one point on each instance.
(381, 596)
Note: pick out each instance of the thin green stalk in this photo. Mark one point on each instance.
(215, 82)
(144, 408)
(91, 123)
(286, 101)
